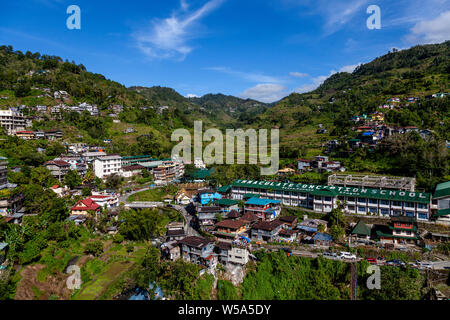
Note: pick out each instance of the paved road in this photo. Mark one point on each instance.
(187, 217)
(124, 198)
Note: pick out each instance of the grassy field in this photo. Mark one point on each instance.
(156, 195)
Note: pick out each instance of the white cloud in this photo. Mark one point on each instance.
(169, 38)
(298, 74)
(432, 31)
(248, 76)
(317, 81)
(191, 95)
(349, 68)
(265, 92)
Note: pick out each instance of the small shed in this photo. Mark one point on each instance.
(361, 231)
(322, 239)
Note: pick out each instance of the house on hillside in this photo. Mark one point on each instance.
(83, 207)
(266, 230)
(230, 229)
(264, 209)
(361, 231)
(58, 168)
(198, 250)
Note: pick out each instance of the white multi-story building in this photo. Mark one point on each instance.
(12, 121)
(3, 173)
(107, 165)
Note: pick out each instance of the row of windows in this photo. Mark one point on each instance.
(406, 204)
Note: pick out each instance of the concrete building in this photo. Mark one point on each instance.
(440, 205)
(323, 199)
(58, 168)
(12, 121)
(168, 171)
(89, 157)
(198, 250)
(107, 165)
(3, 173)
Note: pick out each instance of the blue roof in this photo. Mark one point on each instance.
(369, 133)
(3, 245)
(322, 237)
(261, 202)
(307, 229)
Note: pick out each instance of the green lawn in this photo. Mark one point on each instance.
(154, 194)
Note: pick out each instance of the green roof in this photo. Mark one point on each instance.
(442, 190)
(361, 228)
(398, 195)
(251, 195)
(442, 212)
(226, 202)
(202, 173)
(224, 189)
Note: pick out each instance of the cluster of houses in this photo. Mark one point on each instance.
(320, 164)
(104, 165)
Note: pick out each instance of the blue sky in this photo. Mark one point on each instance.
(260, 49)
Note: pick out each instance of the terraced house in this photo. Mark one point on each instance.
(323, 198)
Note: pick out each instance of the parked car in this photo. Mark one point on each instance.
(330, 255)
(395, 262)
(425, 265)
(372, 260)
(347, 255)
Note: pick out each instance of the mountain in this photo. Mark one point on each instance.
(229, 109)
(416, 72)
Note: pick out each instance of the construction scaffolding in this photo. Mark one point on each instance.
(377, 182)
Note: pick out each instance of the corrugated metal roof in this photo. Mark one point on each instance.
(261, 202)
(442, 190)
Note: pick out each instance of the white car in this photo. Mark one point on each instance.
(347, 256)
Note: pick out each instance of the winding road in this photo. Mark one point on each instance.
(190, 231)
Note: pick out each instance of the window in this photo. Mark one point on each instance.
(409, 213)
(361, 209)
(351, 199)
(385, 212)
(373, 201)
(362, 200)
(397, 203)
(384, 202)
(409, 204)
(328, 199)
(423, 216)
(422, 206)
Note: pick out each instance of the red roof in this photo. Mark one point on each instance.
(24, 132)
(303, 160)
(55, 186)
(98, 197)
(59, 163)
(86, 204)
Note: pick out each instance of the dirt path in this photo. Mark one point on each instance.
(30, 288)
